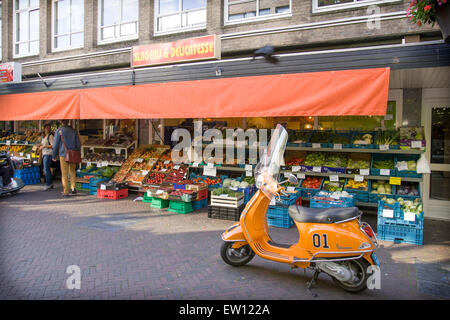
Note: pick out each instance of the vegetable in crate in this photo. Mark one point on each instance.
(352, 184)
(333, 186)
(312, 183)
(389, 137)
(415, 206)
(381, 187)
(363, 139)
(339, 138)
(409, 165)
(383, 164)
(358, 164)
(315, 159)
(408, 189)
(336, 161)
(227, 191)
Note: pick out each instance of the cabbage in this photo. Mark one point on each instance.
(243, 184)
(235, 183)
(227, 182)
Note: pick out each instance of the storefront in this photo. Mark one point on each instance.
(328, 101)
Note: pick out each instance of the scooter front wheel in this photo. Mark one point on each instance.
(236, 257)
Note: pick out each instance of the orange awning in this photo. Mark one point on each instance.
(348, 92)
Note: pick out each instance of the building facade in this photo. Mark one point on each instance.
(69, 36)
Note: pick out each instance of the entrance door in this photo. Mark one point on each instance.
(436, 120)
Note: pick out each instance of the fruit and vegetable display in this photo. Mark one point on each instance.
(295, 161)
(387, 137)
(339, 138)
(358, 164)
(335, 195)
(383, 164)
(103, 155)
(29, 136)
(155, 178)
(312, 183)
(410, 165)
(357, 185)
(314, 159)
(363, 139)
(333, 186)
(176, 175)
(408, 189)
(118, 141)
(232, 183)
(413, 206)
(381, 187)
(335, 161)
(299, 136)
(143, 164)
(228, 192)
(163, 165)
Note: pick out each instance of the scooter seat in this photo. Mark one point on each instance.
(318, 215)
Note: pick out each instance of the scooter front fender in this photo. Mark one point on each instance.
(234, 234)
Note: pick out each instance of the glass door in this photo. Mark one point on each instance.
(437, 184)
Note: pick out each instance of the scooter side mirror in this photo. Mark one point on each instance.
(292, 179)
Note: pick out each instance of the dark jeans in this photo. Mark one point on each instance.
(47, 162)
(6, 174)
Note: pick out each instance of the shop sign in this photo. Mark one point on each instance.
(10, 72)
(192, 49)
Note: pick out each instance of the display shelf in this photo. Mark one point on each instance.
(133, 144)
(18, 144)
(357, 150)
(104, 163)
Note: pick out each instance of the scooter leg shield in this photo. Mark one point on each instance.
(234, 234)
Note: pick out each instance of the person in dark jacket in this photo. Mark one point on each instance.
(72, 141)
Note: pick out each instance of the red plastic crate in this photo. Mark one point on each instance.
(202, 194)
(112, 194)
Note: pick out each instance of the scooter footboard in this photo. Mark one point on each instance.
(234, 234)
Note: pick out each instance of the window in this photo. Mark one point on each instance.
(118, 20)
(68, 24)
(26, 27)
(250, 10)
(179, 15)
(330, 5)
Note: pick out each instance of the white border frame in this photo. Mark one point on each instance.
(1, 30)
(157, 33)
(70, 33)
(271, 16)
(121, 39)
(17, 56)
(344, 6)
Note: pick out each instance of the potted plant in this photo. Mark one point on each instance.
(430, 11)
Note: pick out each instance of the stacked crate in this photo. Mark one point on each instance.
(278, 212)
(29, 175)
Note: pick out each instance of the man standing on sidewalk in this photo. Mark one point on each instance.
(72, 142)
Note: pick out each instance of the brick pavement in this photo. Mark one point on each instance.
(126, 250)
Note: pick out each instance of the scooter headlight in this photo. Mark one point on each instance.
(365, 245)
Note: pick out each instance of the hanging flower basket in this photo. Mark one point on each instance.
(429, 12)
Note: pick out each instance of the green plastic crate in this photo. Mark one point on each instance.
(159, 203)
(147, 198)
(180, 206)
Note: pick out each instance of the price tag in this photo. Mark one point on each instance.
(34, 161)
(295, 168)
(234, 188)
(209, 172)
(166, 162)
(301, 176)
(117, 151)
(176, 167)
(409, 216)
(144, 172)
(89, 164)
(384, 147)
(104, 163)
(403, 167)
(195, 164)
(389, 117)
(102, 187)
(92, 149)
(99, 164)
(337, 146)
(26, 142)
(317, 169)
(364, 172)
(21, 154)
(388, 213)
(210, 165)
(140, 160)
(223, 195)
(28, 156)
(416, 144)
(359, 178)
(385, 172)
(15, 142)
(248, 173)
(163, 170)
(149, 193)
(8, 142)
(159, 191)
(334, 178)
(395, 180)
(316, 145)
(248, 167)
(290, 188)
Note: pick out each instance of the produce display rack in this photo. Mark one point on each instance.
(127, 148)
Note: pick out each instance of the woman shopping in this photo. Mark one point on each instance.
(46, 151)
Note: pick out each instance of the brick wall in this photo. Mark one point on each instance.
(307, 31)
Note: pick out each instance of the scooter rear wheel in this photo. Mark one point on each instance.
(236, 257)
(359, 267)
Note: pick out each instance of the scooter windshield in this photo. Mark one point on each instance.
(268, 169)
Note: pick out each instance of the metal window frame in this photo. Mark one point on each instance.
(53, 18)
(180, 13)
(258, 17)
(101, 41)
(15, 12)
(349, 5)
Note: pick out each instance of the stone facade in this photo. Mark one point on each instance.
(302, 30)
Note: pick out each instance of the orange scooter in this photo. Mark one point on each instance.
(332, 240)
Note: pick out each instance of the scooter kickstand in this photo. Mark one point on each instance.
(313, 281)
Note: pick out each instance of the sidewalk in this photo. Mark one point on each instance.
(126, 250)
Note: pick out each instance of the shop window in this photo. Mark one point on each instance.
(26, 27)
(179, 15)
(331, 5)
(68, 24)
(251, 10)
(118, 20)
